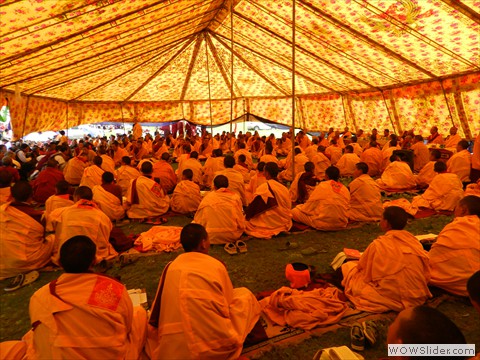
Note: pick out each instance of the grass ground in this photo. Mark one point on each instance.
(262, 268)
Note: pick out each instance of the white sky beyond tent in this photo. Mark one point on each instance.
(359, 63)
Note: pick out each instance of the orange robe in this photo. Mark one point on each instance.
(334, 152)
(73, 171)
(5, 195)
(83, 218)
(194, 165)
(276, 219)
(398, 176)
(109, 203)
(300, 161)
(269, 158)
(373, 157)
(164, 171)
(108, 164)
(455, 256)
(476, 153)
(248, 157)
(365, 199)
(211, 166)
(119, 154)
(186, 197)
(125, 174)
(460, 164)
(220, 213)
(452, 140)
(392, 274)
(326, 208)
(152, 200)
(421, 155)
(473, 189)
(426, 175)
(321, 163)
(444, 193)
(85, 316)
(255, 181)
(235, 183)
(56, 202)
(244, 171)
(346, 164)
(22, 243)
(201, 315)
(92, 176)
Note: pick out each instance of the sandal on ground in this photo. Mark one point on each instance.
(308, 251)
(241, 246)
(290, 245)
(230, 248)
(357, 337)
(22, 279)
(370, 331)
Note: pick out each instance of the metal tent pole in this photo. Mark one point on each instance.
(293, 89)
(209, 91)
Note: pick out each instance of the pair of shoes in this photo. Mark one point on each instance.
(361, 333)
(22, 280)
(239, 247)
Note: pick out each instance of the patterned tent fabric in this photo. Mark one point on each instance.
(397, 64)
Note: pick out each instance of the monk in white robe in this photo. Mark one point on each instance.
(392, 273)
(197, 314)
(461, 162)
(455, 256)
(22, 243)
(145, 197)
(92, 175)
(327, 207)
(83, 315)
(365, 197)
(235, 179)
(109, 197)
(421, 154)
(453, 139)
(270, 211)
(373, 157)
(82, 218)
(443, 193)
(186, 196)
(125, 174)
(75, 167)
(346, 164)
(397, 176)
(321, 162)
(220, 212)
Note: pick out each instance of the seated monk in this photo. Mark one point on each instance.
(334, 151)
(242, 149)
(321, 162)
(269, 157)
(186, 196)
(303, 184)
(193, 164)
(365, 197)
(300, 160)
(109, 197)
(197, 314)
(453, 139)
(145, 196)
(125, 174)
(392, 273)
(444, 191)
(421, 154)
(424, 325)
(346, 164)
(59, 200)
(397, 176)
(435, 137)
(73, 170)
(220, 212)
(427, 173)
(213, 164)
(8, 166)
(82, 218)
(84, 315)
(242, 168)
(270, 211)
(5, 186)
(163, 170)
(235, 179)
(44, 185)
(22, 243)
(461, 162)
(328, 205)
(373, 157)
(256, 180)
(92, 175)
(455, 256)
(108, 164)
(472, 189)
(118, 153)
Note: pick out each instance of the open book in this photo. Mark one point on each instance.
(426, 237)
(138, 297)
(345, 255)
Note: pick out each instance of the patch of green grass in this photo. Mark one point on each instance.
(261, 268)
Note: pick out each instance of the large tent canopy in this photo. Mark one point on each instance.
(397, 64)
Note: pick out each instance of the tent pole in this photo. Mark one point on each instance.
(209, 91)
(293, 89)
(123, 120)
(67, 120)
(25, 117)
(446, 100)
(231, 64)
(388, 110)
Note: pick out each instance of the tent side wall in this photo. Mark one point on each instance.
(454, 101)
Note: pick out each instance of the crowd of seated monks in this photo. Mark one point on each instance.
(89, 186)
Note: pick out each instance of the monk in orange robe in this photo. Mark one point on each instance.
(455, 256)
(22, 243)
(255, 181)
(365, 197)
(327, 207)
(192, 163)
(75, 167)
(83, 314)
(146, 197)
(220, 212)
(472, 189)
(333, 152)
(443, 193)
(392, 273)
(300, 161)
(269, 213)
(475, 173)
(126, 173)
(461, 162)
(242, 168)
(5, 186)
(421, 154)
(59, 200)
(44, 185)
(235, 179)
(321, 162)
(346, 164)
(435, 137)
(397, 176)
(186, 196)
(162, 169)
(373, 157)
(427, 173)
(109, 197)
(118, 153)
(213, 325)
(303, 185)
(213, 164)
(453, 139)
(92, 175)
(248, 156)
